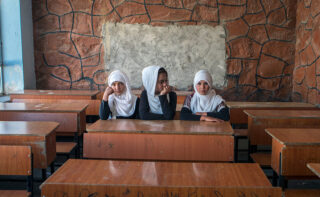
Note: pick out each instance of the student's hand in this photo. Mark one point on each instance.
(107, 92)
(166, 90)
(210, 119)
(202, 113)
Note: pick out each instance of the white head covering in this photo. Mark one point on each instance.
(124, 104)
(208, 102)
(149, 80)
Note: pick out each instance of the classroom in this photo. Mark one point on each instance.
(160, 98)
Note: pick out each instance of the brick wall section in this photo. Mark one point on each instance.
(306, 74)
(260, 40)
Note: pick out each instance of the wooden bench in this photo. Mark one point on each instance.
(237, 115)
(137, 179)
(159, 140)
(315, 168)
(16, 160)
(292, 149)
(263, 159)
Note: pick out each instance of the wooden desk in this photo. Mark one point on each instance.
(237, 116)
(259, 120)
(157, 179)
(85, 97)
(181, 95)
(292, 149)
(72, 116)
(315, 168)
(40, 136)
(159, 140)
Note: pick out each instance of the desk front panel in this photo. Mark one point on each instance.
(43, 147)
(178, 147)
(257, 126)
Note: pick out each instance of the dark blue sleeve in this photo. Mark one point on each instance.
(104, 111)
(186, 114)
(168, 108)
(144, 109)
(223, 114)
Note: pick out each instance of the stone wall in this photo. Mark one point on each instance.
(260, 42)
(306, 74)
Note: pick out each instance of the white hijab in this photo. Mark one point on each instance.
(124, 104)
(208, 102)
(149, 80)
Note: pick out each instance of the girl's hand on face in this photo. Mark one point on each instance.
(166, 90)
(107, 92)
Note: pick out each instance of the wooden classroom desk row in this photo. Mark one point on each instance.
(293, 149)
(41, 136)
(159, 140)
(315, 168)
(71, 116)
(157, 179)
(259, 120)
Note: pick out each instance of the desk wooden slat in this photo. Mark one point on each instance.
(259, 120)
(315, 168)
(237, 115)
(40, 136)
(159, 140)
(132, 178)
(70, 116)
(55, 94)
(296, 151)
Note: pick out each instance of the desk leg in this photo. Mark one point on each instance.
(44, 174)
(274, 178)
(77, 149)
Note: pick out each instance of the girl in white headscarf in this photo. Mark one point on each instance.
(204, 103)
(157, 101)
(118, 101)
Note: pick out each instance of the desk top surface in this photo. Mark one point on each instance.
(58, 92)
(27, 128)
(238, 104)
(315, 168)
(43, 107)
(295, 136)
(280, 114)
(138, 173)
(162, 127)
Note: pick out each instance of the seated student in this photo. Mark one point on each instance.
(118, 101)
(204, 104)
(157, 101)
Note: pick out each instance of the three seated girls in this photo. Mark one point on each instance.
(158, 100)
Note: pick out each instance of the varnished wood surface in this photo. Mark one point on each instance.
(43, 107)
(295, 136)
(301, 193)
(257, 105)
(315, 168)
(15, 160)
(87, 93)
(276, 114)
(133, 178)
(263, 159)
(92, 109)
(27, 128)
(162, 127)
(41, 136)
(65, 147)
(168, 147)
(15, 193)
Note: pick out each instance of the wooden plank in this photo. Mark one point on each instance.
(39, 135)
(315, 168)
(296, 158)
(15, 193)
(132, 178)
(295, 136)
(257, 126)
(263, 159)
(44, 107)
(237, 115)
(92, 109)
(158, 147)
(301, 192)
(65, 147)
(58, 94)
(15, 160)
(162, 127)
(275, 155)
